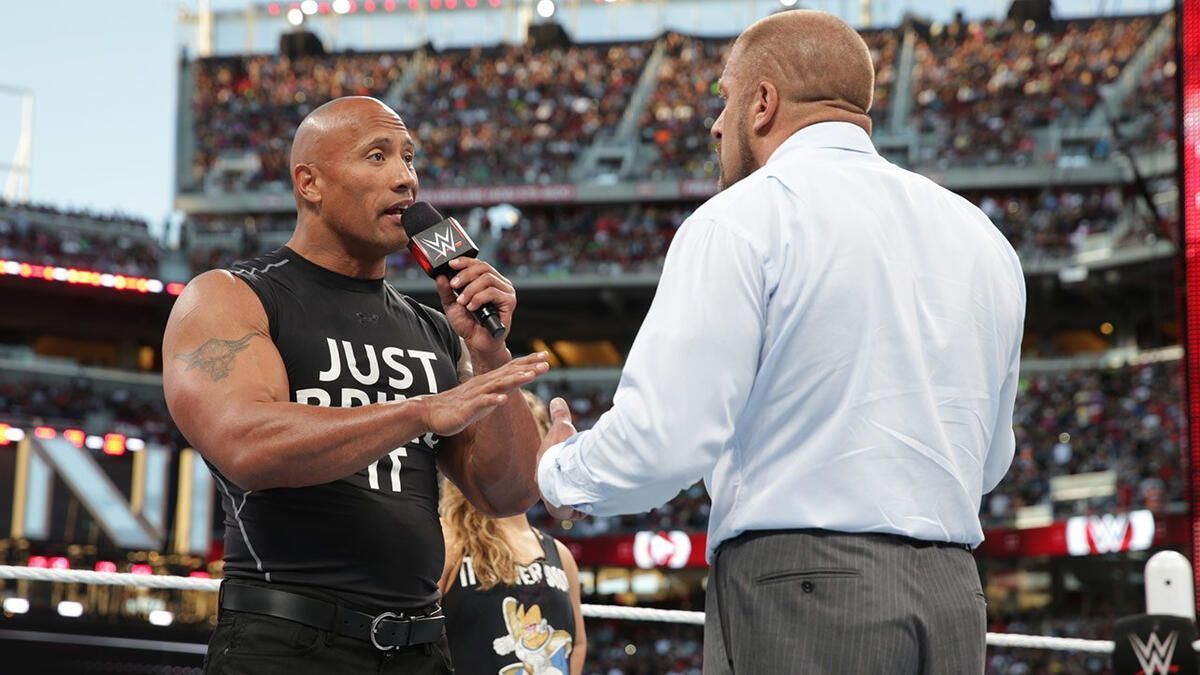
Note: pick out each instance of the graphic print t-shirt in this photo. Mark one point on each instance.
(371, 539)
(524, 628)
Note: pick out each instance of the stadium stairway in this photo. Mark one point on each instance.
(1126, 83)
(617, 155)
(902, 94)
(399, 89)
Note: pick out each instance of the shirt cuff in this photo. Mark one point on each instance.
(563, 480)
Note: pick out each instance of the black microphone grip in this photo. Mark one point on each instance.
(489, 316)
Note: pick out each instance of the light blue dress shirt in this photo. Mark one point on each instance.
(834, 344)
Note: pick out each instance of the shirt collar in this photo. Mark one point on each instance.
(841, 135)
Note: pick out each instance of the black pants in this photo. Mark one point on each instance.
(252, 644)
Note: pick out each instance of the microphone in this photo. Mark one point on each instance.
(434, 241)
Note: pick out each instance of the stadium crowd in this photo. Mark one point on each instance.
(508, 114)
(517, 114)
(985, 87)
(99, 242)
(1127, 420)
(686, 101)
(80, 403)
(253, 105)
(643, 648)
(630, 239)
(1052, 222)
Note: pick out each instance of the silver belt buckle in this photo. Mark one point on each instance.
(375, 627)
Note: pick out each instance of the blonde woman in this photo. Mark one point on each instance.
(510, 593)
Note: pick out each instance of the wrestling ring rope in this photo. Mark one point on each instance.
(163, 582)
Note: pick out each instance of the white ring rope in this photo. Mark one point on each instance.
(163, 582)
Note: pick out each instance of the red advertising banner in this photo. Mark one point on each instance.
(1079, 536)
(501, 194)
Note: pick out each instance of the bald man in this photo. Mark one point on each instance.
(833, 347)
(325, 402)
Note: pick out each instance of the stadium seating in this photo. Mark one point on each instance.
(99, 242)
(629, 648)
(252, 105)
(985, 87)
(685, 104)
(516, 114)
(80, 403)
(1128, 420)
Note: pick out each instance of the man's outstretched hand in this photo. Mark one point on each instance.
(560, 430)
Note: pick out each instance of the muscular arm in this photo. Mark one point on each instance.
(227, 390)
(494, 461)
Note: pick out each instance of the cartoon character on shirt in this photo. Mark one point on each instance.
(540, 648)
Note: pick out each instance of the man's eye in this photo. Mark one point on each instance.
(408, 158)
(376, 156)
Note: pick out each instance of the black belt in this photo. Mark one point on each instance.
(389, 630)
(911, 541)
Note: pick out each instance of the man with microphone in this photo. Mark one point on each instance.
(325, 402)
(833, 347)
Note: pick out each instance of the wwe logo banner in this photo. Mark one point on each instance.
(1154, 644)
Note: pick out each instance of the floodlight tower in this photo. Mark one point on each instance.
(17, 186)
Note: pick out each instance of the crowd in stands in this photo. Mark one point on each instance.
(686, 101)
(535, 241)
(36, 211)
(1128, 420)
(517, 114)
(35, 234)
(632, 239)
(520, 115)
(80, 402)
(1052, 222)
(504, 115)
(254, 104)
(985, 87)
(643, 648)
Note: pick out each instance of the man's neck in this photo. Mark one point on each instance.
(326, 251)
(806, 115)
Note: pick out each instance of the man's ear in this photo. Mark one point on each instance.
(304, 177)
(766, 106)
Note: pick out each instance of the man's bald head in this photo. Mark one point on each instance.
(326, 129)
(810, 56)
(353, 174)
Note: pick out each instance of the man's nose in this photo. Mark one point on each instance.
(716, 127)
(406, 179)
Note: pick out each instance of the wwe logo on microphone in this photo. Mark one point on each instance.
(1154, 655)
(442, 243)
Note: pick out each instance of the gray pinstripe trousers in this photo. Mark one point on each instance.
(822, 603)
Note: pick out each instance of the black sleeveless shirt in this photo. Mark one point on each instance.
(531, 623)
(372, 539)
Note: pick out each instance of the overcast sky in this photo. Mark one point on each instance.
(104, 80)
